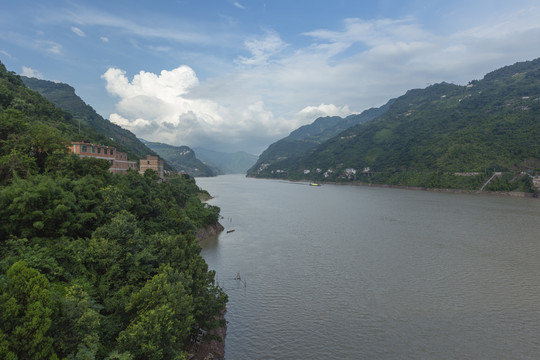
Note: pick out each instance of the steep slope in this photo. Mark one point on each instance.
(182, 158)
(226, 163)
(63, 96)
(307, 137)
(88, 256)
(433, 133)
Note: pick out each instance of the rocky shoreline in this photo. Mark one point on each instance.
(210, 348)
(209, 231)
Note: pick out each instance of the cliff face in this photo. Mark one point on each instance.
(209, 231)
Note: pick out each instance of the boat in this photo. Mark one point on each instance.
(230, 231)
(314, 184)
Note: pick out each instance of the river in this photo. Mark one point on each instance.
(356, 272)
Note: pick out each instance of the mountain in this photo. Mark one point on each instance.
(432, 137)
(182, 158)
(87, 256)
(107, 133)
(307, 137)
(226, 163)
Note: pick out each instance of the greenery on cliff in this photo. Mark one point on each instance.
(435, 136)
(93, 265)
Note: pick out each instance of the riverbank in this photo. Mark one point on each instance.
(209, 231)
(453, 191)
(213, 347)
(210, 348)
(421, 188)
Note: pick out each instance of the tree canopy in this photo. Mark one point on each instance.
(93, 265)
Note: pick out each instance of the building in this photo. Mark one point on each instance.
(154, 163)
(119, 162)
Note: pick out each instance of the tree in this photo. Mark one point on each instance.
(161, 315)
(25, 314)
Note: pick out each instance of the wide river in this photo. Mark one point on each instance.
(354, 272)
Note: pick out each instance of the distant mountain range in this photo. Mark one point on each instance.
(226, 163)
(308, 137)
(442, 136)
(182, 158)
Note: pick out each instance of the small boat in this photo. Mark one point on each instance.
(314, 184)
(230, 231)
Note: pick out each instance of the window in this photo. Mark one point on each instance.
(105, 151)
(99, 150)
(84, 149)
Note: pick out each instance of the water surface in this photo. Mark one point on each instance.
(347, 272)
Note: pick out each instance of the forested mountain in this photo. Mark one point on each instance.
(63, 96)
(93, 265)
(226, 163)
(307, 137)
(430, 137)
(182, 158)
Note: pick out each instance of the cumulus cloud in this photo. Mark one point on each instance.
(161, 107)
(104, 39)
(275, 87)
(78, 31)
(27, 71)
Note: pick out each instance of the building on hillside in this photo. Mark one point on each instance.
(119, 162)
(154, 163)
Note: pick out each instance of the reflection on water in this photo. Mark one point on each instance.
(347, 272)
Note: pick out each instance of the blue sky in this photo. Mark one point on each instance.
(234, 75)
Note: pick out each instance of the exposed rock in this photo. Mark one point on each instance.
(210, 348)
(209, 231)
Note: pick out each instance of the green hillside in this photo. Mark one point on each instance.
(308, 137)
(93, 265)
(428, 135)
(182, 158)
(102, 131)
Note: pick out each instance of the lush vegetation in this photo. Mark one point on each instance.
(430, 137)
(182, 158)
(93, 265)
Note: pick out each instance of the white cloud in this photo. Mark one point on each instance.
(262, 49)
(104, 39)
(238, 5)
(275, 86)
(27, 71)
(49, 46)
(3, 52)
(172, 30)
(161, 107)
(78, 31)
(309, 113)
